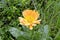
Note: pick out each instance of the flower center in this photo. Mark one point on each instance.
(29, 19)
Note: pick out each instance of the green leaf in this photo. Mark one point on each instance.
(0, 38)
(1, 23)
(45, 32)
(19, 35)
(15, 32)
(58, 36)
(2, 3)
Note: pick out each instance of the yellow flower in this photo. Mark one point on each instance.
(29, 18)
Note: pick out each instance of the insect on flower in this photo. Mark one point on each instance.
(30, 18)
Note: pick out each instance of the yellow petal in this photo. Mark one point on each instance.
(30, 27)
(33, 24)
(30, 14)
(23, 21)
(37, 21)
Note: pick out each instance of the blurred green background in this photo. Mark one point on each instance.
(10, 29)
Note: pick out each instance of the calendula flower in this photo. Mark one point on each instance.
(30, 18)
